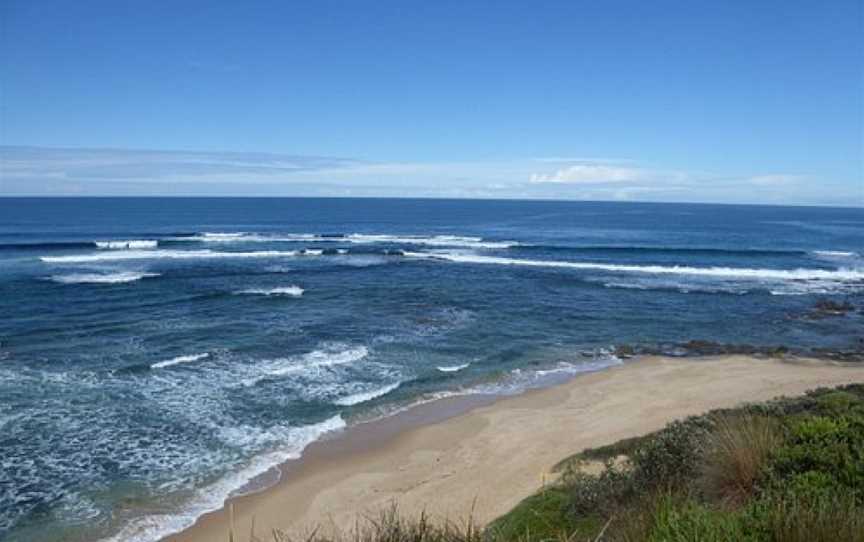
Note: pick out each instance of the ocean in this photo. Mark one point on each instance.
(157, 355)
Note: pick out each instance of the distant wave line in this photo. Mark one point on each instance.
(721, 272)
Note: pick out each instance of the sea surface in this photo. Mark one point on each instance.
(158, 354)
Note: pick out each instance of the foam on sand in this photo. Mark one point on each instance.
(721, 272)
(362, 397)
(119, 277)
(293, 291)
(180, 359)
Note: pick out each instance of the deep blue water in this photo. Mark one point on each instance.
(142, 381)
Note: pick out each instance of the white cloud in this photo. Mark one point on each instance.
(776, 179)
(590, 174)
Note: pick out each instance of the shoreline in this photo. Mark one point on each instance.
(448, 446)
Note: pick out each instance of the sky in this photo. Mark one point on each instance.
(733, 101)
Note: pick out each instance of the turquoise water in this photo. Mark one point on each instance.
(156, 354)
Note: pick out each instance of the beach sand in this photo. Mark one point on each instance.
(480, 456)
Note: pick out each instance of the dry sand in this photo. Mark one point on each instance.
(469, 453)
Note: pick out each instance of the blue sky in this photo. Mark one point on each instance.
(735, 101)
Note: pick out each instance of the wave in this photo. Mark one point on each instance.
(720, 272)
(435, 240)
(362, 397)
(212, 497)
(102, 278)
(294, 291)
(834, 254)
(358, 238)
(638, 249)
(180, 359)
(165, 254)
(452, 368)
(133, 244)
(327, 357)
(58, 245)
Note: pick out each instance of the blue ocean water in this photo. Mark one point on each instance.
(156, 354)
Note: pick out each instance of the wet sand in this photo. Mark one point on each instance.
(481, 455)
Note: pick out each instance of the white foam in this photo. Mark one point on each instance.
(834, 253)
(294, 291)
(165, 254)
(127, 245)
(357, 238)
(362, 397)
(452, 368)
(102, 278)
(722, 272)
(157, 526)
(180, 359)
(327, 357)
(435, 240)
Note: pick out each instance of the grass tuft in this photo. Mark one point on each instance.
(735, 456)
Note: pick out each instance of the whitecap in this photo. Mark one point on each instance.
(180, 359)
(452, 368)
(722, 272)
(127, 244)
(327, 357)
(362, 397)
(294, 291)
(102, 278)
(356, 238)
(165, 254)
(435, 240)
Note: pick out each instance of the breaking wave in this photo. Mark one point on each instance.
(212, 497)
(165, 254)
(452, 368)
(102, 278)
(126, 245)
(180, 359)
(362, 397)
(358, 238)
(294, 291)
(720, 272)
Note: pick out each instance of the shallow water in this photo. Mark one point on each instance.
(155, 354)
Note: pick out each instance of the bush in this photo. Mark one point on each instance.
(672, 457)
(833, 447)
(736, 452)
(600, 494)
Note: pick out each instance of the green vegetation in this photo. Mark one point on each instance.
(787, 470)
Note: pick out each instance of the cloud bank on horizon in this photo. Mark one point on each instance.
(41, 171)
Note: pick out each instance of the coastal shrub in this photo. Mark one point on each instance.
(735, 454)
(840, 402)
(600, 494)
(831, 446)
(672, 458)
(544, 516)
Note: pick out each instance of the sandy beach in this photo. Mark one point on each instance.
(481, 455)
